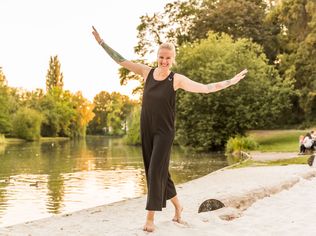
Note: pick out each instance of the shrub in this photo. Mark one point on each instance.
(240, 143)
(27, 124)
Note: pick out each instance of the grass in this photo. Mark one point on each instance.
(282, 162)
(277, 140)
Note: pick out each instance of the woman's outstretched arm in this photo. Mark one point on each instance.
(191, 86)
(137, 68)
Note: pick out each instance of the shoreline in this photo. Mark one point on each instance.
(239, 189)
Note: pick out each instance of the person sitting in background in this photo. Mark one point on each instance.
(306, 144)
(301, 145)
(313, 134)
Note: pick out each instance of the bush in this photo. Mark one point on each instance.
(206, 121)
(27, 124)
(240, 143)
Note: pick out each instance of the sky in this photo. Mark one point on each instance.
(34, 30)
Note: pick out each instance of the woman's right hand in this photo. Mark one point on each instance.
(96, 35)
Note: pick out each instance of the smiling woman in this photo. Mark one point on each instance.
(157, 122)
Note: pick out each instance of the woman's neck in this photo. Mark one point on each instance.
(162, 72)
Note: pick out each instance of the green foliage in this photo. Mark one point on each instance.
(27, 124)
(173, 24)
(206, 121)
(297, 19)
(187, 21)
(240, 143)
(132, 136)
(99, 122)
(59, 112)
(111, 112)
(83, 115)
(54, 77)
(5, 121)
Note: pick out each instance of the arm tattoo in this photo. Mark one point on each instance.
(219, 85)
(210, 87)
(227, 82)
(115, 55)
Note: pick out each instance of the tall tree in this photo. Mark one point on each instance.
(5, 121)
(297, 58)
(187, 21)
(54, 77)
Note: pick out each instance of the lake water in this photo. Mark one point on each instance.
(41, 179)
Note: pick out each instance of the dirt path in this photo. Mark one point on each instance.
(271, 156)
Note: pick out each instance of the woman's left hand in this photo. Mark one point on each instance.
(239, 76)
(96, 35)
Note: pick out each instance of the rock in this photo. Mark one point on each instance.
(210, 205)
(310, 160)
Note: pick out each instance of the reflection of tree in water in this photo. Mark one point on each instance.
(185, 167)
(111, 153)
(2, 149)
(141, 181)
(3, 194)
(63, 157)
(55, 154)
(55, 186)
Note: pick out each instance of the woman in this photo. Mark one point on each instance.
(157, 122)
(307, 144)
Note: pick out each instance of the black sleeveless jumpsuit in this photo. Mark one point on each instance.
(157, 134)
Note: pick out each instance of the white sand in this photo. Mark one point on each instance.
(290, 210)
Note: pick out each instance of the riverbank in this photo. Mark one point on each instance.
(285, 192)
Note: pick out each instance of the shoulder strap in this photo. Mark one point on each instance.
(170, 78)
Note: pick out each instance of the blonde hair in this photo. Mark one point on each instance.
(171, 47)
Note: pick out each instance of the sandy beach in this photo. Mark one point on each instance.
(275, 200)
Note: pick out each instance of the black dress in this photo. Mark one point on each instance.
(157, 134)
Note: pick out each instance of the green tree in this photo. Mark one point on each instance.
(297, 58)
(118, 110)
(187, 21)
(84, 114)
(99, 122)
(173, 24)
(111, 112)
(54, 77)
(206, 121)
(27, 124)
(59, 113)
(5, 121)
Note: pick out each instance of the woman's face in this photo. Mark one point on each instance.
(165, 58)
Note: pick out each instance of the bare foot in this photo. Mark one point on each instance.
(149, 226)
(177, 217)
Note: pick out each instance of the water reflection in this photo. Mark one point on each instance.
(41, 179)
